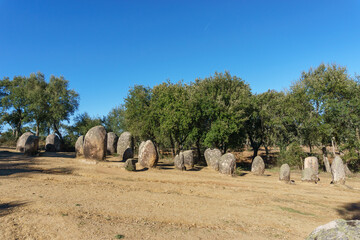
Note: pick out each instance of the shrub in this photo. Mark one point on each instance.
(293, 155)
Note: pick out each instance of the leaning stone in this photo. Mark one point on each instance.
(112, 140)
(337, 229)
(125, 146)
(308, 175)
(284, 174)
(188, 157)
(179, 162)
(227, 164)
(95, 143)
(312, 162)
(52, 143)
(338, 171)
(79, 146)
(20, 144)
(148, 156)
(130, 164)
(258, 166)
(212, 157)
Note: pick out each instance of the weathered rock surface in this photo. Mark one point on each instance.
(148, 155)
(125, 146)
(20, 144)
(112, 140)
(79, 146)
(312, 162)
(31, 145)
(140, 147)
(258, 166)
(95, 143)
(227, 164)
(284, 174)
(309, 175)
(52, 143)
(338, 171)
(130, 164)
(188, 157)
(338, 229)
(212, 157)
(179, 161)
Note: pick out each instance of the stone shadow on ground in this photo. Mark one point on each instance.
(7, 208)
(350, 211)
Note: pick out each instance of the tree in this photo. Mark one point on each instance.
(62, 101)
(115, 120)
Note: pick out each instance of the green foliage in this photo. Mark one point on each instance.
(293, 155)
(115, 120)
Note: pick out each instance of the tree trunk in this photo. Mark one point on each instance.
(37, 129)
(172, 147)
(58, 133)
(267, 152)
(198, 150)
(333, 145)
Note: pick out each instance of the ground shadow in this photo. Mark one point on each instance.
(58, 154)
(350, 211)
(7, 208)
(22, 168)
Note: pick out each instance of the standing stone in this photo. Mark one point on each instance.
(284, 173)
(309, 175)
(338, 171)
(52, 143)
(212, 157)
(20, 145)
(31, 145)
(95, 143)
(79, 146)
(130, 164)
(312, 162)
(179, 162)
(148, 155)
(227, 164)
(258, 166)
(338, 229)
(112, 140)
(188, 157)
(125, 146)
(140, 147)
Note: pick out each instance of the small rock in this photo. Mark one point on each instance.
(130, 164)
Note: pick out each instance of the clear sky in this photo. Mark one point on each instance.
(105, 47)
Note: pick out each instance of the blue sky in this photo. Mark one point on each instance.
(105, 47)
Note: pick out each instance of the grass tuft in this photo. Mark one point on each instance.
(295, 211)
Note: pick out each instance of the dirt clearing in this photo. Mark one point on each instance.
(55, 196)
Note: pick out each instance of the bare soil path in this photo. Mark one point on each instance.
(55, 196)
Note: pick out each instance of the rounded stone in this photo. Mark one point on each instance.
(148, 156)
(52, 143)
(95, 143)
(179, 161)
(337, 229)
(212, 158)
(309, 175)
(258, 166)
(31, 145)
(227, 164)
(125, 146)
(188, 157)
(284, 174)
(112, 140)
(20, 144)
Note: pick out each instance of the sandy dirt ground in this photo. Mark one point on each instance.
(56, 196)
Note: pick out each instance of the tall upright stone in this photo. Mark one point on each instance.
(79, 146)
(140, 148)
(227, 164)
(125, 146)
(188, 157)
(148, 156)
(284, 174)
(258, 166)
(112, 140)
(52, 143)
(212, 158)
(31, 145)
(309, 175)
(179, 162)
(338, 171)
(95, 143)
(312, 162)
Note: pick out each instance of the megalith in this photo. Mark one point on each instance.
(338, 171)
(258, 166)
(188, 157)
(95, 143)
(52, 143)
(125, 146)
(112, 140)
(148, 156)
(284, 174)
(179, 161)
(212, 158)
(79, 146)
(312, 162)
(227, 164)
